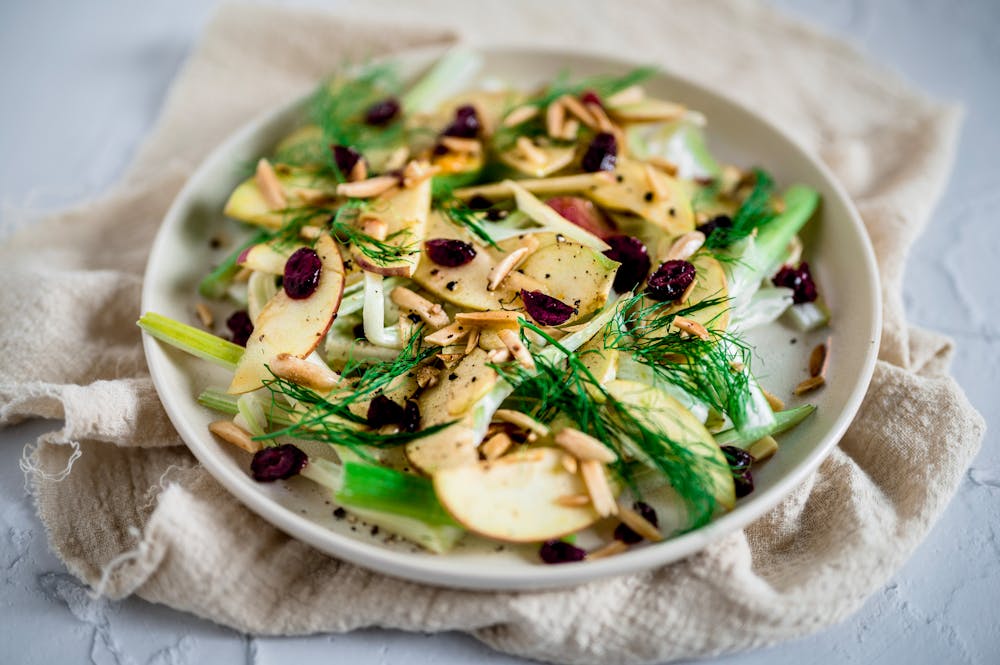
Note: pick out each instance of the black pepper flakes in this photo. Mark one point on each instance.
(451, 285)
(340, 513)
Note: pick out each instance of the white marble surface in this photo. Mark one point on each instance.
(83, 82)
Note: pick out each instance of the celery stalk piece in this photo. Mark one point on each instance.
(187, 338)
(552, 221)
(216, 283)
(251, 412)
(448, 76)
(809, 316)
(783, 421)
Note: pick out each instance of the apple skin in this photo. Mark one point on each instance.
(584, 214)
(296, 327)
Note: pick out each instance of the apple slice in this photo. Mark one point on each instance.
(264, 257)
(710, 284)
(631, 192)
(584, 214)
(451, 447)
(405, 211)
(286, 325)
(648, 110)
(247, 204)
(514, 498)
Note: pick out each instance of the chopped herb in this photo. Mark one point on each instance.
(756, 211)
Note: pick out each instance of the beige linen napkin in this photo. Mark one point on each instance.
(136, 497)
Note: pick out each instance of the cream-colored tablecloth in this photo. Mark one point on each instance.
(136, 497)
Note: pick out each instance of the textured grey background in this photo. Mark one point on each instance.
(81, 85)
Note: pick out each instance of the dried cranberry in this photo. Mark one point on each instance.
(383, 411)
(799, 280)
(465, 125)
(449, 252)
(240, 326)
(634, 259)
(591, 97)
(670, 280)
(345, 157)
(382, 113)
(601, 155)
(411, 417)
(717, 222)
(559, 551)
(277, 463)
(480, 202)
(740, 462)
(302, 272)
(624, 533)
(583, 213)
(547, 310)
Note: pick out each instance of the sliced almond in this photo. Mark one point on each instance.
(498, 355)
(496, 445)
(458, 144)
(472, 342)
(519, 115)
(763, 448)
(639, 524)
(819, 359)
(630, 95)
(448, 335)
(692, 328)
(432, 313)
(521, 420)
(601, 118)
(576, 107)
(517, 349)
(573, 500)
(310, 232)
(417, 171)
(598, 488)
(270, 187)
(397, 158)
(494, 318)
(449, 359)
(555, 118)
(571, 464)
(358, 172)
(304, 372)
(366, 189)
(375, 228)
(613, 548)
(583, 446)
(511, 261)
(427, 376)
(570, 130)
(529, 150)
(777, 404)
(232, 433)
(311, 195)
(685, 246)
(204, 314)
(810, 384)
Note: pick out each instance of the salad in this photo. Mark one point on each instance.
(465, 308)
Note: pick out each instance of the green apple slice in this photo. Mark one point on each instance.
(405, 211)
(247, 204)
(513, 499)
(286, 325)
(265, 257)
(631, 192)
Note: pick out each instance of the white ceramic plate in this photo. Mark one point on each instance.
(837, 248)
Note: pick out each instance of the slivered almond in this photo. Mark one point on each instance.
(494, 318)
(520, 352)
(685, 246)
(630, 95)
(427, 376)
(450, 334)
(457, 144)
(571, 129)
(613, 548)
(576, 107)
(366, 189)
(204, 314)
(570, 463)
(810, 384)
(450, 359)
(656, 185)
(416, 171)
(310, 195)
(310, 232)
(374, 227)
(688, 291)
(303, 372)
(601, 118)
(519, 115)
(269, 185)
(776, 403)
(555, 118)
(819, 359)
(530, 151)
(522, 420)
(496, 445)
(397, 158)
(583, 446)
(763, 448)
(498, 355)
(598, 487)
(511, 261)
(358, 172)
(692, 328)
(639, 524)
(232, 433)
(472, 342)
(670, 169)
(572, 500)
(430, 312)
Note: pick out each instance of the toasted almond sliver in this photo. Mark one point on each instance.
(571, 464)
(494, 318)
(270, 187)
(819, 359)
(520, 352)
(450, 359)
(498, 355)
(688, 291)
(630, 95)
(522, 420)
(763, 448)
(601, 118)
(457, 144)
(511, 261)
(204, 314)
(496, 445)
(613, 548)
(598, 488)
(692, 328)
(571, 129)
(555, 118)
(810, 384)
(450, 334)
(232, 433)
(572, 500)
(310, 232)
(415, 172)
(776, 403)
(531, 152)
(358, 172)
(472, 342)
(639, 524)
(656, 186)
(375, 228)
(427, 376)
(430, 312)
(583, 446)
(366, 189)
(519, 115)
(303, 372)
(576, 107)
(685, 246)
(397, 158)
(311, 195)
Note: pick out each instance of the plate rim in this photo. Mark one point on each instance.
(429, 570)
